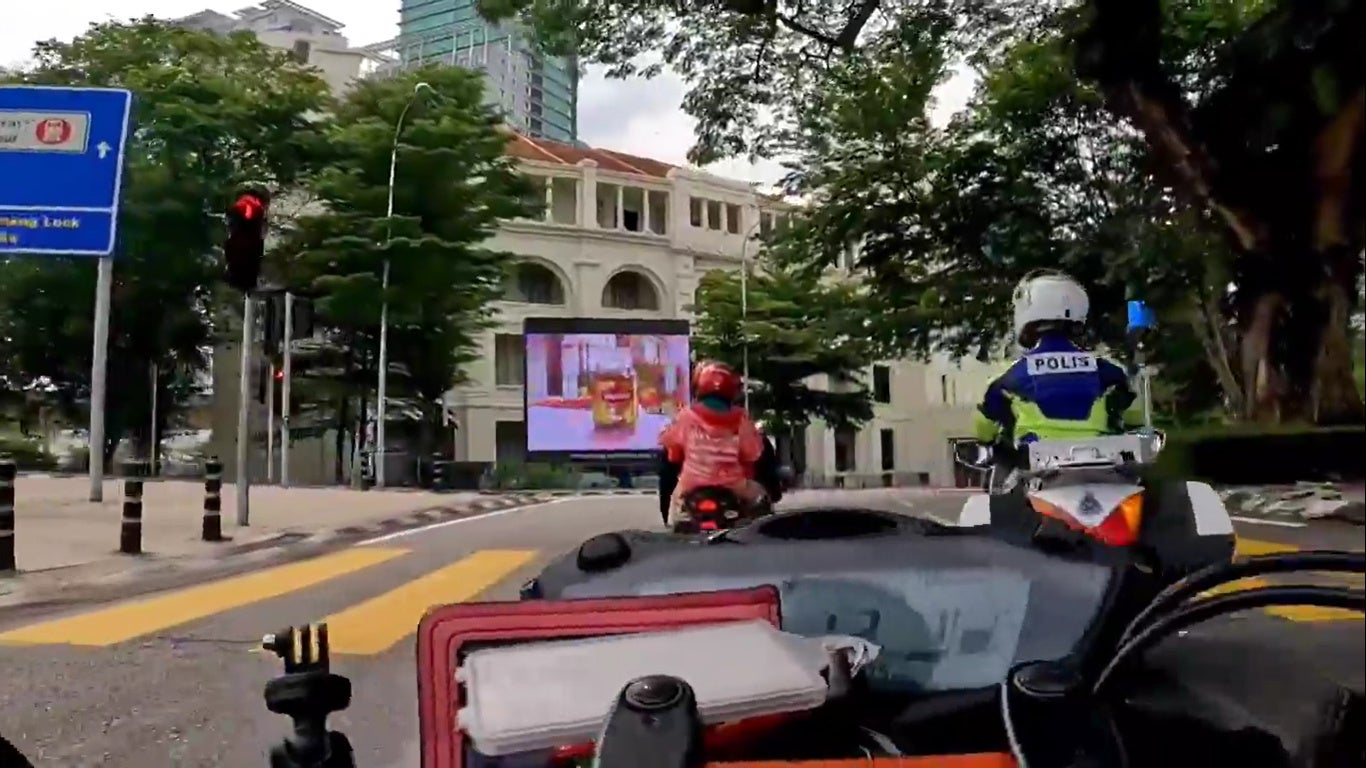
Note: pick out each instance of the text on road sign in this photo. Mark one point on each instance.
(44, 131)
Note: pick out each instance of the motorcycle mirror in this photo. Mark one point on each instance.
(972, 455)
(1159, 439)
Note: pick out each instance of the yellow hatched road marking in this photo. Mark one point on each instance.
(134, 619)
(378, 624)
(1254, 547)
(1300, 613)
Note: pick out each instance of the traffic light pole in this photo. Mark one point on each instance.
(244, 410)
(270, 423)
(284, 389)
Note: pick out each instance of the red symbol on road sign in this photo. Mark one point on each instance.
(54, 131)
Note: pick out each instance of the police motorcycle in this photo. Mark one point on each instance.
(1096, 492)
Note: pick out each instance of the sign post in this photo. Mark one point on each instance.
(61, 155)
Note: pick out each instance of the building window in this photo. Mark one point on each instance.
(765, 224)
(733, 218)
(888, 439)
(882, 384)
(534, 284)
(695, 206)
(845, 459)
(944, 387)
(714, 215)
(301, 51)
(630, 290)
(510, 441)
(509, 360)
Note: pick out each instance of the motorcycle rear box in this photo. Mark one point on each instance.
(542, 695)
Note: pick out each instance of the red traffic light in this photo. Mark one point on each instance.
(249, 207)
(279, 375)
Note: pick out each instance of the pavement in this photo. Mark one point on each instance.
(66, 543)
(174, 677)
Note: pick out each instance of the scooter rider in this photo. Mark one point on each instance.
(712, 442)
(1056, 390)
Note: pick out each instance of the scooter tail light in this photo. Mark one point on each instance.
(706, 505)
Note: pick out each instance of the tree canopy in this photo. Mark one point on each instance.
(798, 329)
(1181, 147)
(453, 182)
(210, 112)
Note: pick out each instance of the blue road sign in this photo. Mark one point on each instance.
(61, 167)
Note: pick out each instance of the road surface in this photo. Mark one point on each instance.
(175, 678)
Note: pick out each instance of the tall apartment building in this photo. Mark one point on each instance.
(310, 36)
(538, 94)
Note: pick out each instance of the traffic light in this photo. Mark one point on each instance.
(266, 382)
(246, 243)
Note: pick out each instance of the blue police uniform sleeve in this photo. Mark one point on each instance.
(1118, 394)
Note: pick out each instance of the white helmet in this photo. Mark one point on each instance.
(1046, 296)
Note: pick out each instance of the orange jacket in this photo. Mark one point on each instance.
(717, 449)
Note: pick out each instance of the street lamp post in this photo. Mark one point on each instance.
(744, 305)
(382, 395)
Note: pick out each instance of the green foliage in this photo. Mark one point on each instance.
(29, 455)
(797, 327)
(1036, 175)
(453, 183)
(210, 113)
(507, 476)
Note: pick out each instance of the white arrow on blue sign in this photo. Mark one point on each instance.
(61, 168)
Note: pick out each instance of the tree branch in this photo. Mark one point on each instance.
(1120, 51)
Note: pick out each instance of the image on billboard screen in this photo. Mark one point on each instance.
(603, 387)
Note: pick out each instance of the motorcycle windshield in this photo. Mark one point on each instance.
(949, 613)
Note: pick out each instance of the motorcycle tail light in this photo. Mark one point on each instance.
(709, 525)
(706, 505)
(1120, 528)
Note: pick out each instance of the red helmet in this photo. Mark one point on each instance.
(713, 378)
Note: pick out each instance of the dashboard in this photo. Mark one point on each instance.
(949, 612)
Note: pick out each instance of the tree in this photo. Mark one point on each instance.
(210, 113)
(798, 328)
(1268, 138)
(453, 184)
(1251, 111)
(1033, 177)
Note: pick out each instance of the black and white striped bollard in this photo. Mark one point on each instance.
(8, 471)
(212, 528)
(130, 534)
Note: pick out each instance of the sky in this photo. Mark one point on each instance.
(634, 116)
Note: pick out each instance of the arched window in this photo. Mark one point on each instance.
(630, 290)
(533, 284)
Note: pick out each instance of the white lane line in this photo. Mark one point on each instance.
(928, 515)
(459, 520)
(1263, 521)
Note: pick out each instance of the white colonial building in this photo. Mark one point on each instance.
(625, 236)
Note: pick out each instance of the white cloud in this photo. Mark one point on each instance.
(638, 117)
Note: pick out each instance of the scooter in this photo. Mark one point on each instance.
(711, 509)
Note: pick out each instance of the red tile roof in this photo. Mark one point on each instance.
(546, 151)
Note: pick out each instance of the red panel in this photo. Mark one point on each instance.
(444, 630)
